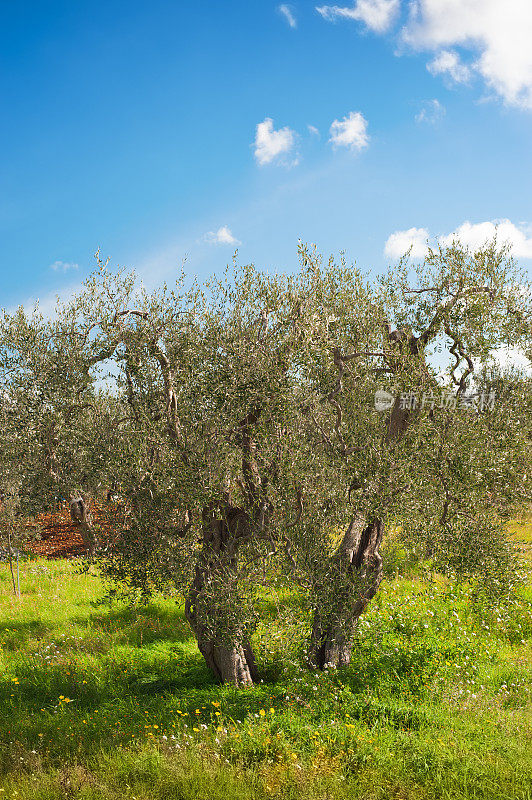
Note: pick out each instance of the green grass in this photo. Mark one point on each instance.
(111, 702)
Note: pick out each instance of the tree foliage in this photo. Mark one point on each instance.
(237, 428)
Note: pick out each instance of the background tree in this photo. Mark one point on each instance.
(13, 533)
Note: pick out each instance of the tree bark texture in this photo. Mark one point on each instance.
(357, 573)
(210, 605)
(81, 515)
(357, 565)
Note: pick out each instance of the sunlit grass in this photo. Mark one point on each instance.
(521, 530)
(102, 701)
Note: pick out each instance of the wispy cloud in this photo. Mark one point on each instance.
(271, 145)
(493, 35)
(377, 15)
(288, 13)
(351, 132)
(432, 112)
(448, 63)
(222, 236)
(313, 130)
(47, 304)
(497, 32)
(63, 266)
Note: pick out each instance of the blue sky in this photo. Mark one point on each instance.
(160, 131)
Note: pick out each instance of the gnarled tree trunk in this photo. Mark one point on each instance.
(357, 565)
(210, 607)
(81, 515)
(357, 568)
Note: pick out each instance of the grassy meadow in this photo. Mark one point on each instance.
(106, 701)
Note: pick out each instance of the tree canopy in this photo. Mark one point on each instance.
(298, 419)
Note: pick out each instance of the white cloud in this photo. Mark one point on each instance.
(288, 13)
(63, 266)
(448, 63)
(511, 357)
(498, 31)
(222, 236)
(431, 112)
(350, 132)
(377, 15)
(471, 235)
(271, 144)
(313, 130)
(475, 235)
(399, 242)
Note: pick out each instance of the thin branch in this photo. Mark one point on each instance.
(299, 506)
(457, 350)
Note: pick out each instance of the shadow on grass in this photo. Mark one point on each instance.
(269, 607)
(180, 669)
(14, 635)
(135, 626)
(140, 625)
(123, 676)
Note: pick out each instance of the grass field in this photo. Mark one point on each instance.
(100, 701)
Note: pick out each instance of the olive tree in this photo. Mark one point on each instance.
(241, 427)
(444, 468)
